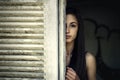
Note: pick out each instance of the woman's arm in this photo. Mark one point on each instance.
(91, 66)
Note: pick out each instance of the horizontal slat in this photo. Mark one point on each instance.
(21, 36)
(17, 3)
(21, 26)
(21, 58)
(22, 63)
(21, 23)
(22, 30)
(21, 75)
(27, 8)
(21, 69)
(20, 0)
(22, 19)
(21, 13)
(21, 79)
(22, 41)
(22, 52)
(21, 47)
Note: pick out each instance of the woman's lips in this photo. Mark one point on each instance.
(68, 36)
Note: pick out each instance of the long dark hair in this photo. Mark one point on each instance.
(78, 61)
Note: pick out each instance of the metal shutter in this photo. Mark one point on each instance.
(29, 39)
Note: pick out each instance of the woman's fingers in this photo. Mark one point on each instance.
(70, 70)
(68, 77)
(71, 74)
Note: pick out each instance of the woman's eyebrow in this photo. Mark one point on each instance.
(73, 23)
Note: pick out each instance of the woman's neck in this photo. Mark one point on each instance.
(69, 48)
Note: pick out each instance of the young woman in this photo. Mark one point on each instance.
(80, 64)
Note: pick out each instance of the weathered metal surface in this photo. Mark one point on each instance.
(22, 40)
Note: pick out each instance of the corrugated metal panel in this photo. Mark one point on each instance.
(22, 40)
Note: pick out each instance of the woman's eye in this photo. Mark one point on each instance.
(73, 25)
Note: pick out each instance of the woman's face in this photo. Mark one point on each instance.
(71, 28)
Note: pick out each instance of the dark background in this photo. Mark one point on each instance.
(102, 34)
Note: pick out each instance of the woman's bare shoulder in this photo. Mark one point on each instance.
(90, 60)
(90, 57)
(91, 66)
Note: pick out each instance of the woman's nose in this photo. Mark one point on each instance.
(67, 30)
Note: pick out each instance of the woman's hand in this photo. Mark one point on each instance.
(71, 74)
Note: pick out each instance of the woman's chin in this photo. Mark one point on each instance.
(68, 41)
